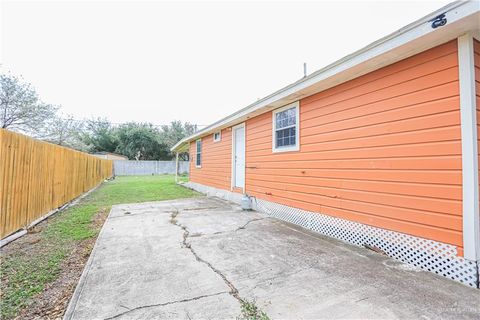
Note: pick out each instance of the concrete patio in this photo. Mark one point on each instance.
(200, 257)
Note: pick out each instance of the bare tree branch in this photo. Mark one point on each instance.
(20, 107)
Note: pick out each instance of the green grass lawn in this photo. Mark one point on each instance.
(24, 273)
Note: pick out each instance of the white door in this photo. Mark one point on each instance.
(239, 157)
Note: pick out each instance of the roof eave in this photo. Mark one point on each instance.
(408, 41)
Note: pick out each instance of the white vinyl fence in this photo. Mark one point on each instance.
(142, 168)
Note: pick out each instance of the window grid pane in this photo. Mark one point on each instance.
(285, 137)
(198, 160)
(285, 118)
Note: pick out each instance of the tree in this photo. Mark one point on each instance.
(175, 132)
(21, 108)
(99, 135)
(141, 141)
(64, 131)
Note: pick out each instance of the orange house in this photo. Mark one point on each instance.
(379, 149)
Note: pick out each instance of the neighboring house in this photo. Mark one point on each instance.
(110, 156)
(378, 149)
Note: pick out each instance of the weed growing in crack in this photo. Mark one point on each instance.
(173, 216)
(250, 311)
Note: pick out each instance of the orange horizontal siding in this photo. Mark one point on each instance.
(363, 216)
(443, 191)
(383, 149)
(216, 161)
(442, 177)
(404, 163)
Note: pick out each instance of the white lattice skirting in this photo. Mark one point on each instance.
(429, 255)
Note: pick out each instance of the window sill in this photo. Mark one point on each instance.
(286, 149)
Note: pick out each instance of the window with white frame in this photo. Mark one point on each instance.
(198, 157)
(217, 136)
(285, 128)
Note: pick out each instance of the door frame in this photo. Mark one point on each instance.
(232, 177)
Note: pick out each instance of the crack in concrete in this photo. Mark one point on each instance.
(125, 215)
(200, 208)
(248, 222)
(130, 214)
(163, 304)
(239, 228)
(233, 290)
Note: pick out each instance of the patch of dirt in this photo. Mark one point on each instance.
(27, 243)
(52, 302)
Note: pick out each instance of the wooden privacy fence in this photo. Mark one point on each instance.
(37, 177)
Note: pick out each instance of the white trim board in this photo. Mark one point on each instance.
(468, 114)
